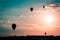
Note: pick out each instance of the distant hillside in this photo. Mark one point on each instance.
(31, 37)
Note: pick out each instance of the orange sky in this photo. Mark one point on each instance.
(34, 23)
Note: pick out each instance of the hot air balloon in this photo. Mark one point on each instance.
(31, 9)
(45, 33)
(13, 26)
(43, 6)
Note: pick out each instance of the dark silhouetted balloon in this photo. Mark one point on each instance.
(31, 9)
(13, 26)
(45, 33)
(43, 6)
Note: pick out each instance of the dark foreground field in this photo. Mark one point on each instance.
(31, 38)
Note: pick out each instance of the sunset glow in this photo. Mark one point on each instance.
(28, 22)
(48, 19)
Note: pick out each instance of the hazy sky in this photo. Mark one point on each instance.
(29, 23)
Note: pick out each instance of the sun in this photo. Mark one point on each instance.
(49, 19)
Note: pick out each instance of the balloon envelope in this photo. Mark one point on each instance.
(43, 6)
(13, 26)
(45, 33)
(31, 9)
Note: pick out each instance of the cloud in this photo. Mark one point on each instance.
(54, 6)
(1, 21)
(4, 30)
